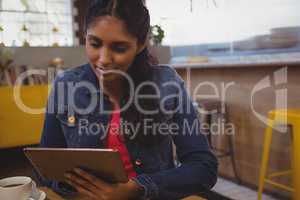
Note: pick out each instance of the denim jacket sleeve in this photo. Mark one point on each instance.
(198, 170)
(52, 136)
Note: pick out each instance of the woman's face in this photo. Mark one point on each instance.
(109, 46)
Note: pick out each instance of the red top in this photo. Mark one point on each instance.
(115, 141)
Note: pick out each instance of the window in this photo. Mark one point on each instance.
(40, 22)
(215, 28)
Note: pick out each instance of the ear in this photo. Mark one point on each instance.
(140, 48)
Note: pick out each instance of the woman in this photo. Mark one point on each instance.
(121, 100)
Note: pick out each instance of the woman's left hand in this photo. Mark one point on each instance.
(96, 189)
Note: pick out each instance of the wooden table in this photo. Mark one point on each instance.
(53, 196)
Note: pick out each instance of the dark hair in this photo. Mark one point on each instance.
(133, 13)
(137, 20)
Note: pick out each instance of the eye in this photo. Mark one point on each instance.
(119, 48)
(95, 45)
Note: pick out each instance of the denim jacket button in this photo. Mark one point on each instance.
(71, 119)
(138, 162)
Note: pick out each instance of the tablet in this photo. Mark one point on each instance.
(52, 163)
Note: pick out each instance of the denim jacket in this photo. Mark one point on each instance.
(157, 173)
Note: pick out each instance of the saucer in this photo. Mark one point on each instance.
(42, 196)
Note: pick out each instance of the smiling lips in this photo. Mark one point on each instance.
(102, 70)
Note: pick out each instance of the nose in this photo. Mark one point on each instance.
(105, 57)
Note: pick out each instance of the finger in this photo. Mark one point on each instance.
(82, 190)
(82, 182)
(94, 180)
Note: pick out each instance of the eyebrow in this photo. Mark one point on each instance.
(93, 37)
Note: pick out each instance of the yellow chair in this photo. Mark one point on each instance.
(19, 128)
(286, 117)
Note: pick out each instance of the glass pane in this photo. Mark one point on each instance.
(231, 20)
(22, 5)
(59, 8)
(37, 6)
(12, 5)
(227, 28)
(40, 20)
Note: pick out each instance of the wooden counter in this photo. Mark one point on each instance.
(236, 87)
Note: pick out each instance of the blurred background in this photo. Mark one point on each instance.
(239, 57)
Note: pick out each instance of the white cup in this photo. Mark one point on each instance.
(16, 188)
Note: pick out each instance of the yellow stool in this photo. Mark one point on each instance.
(286, 117)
